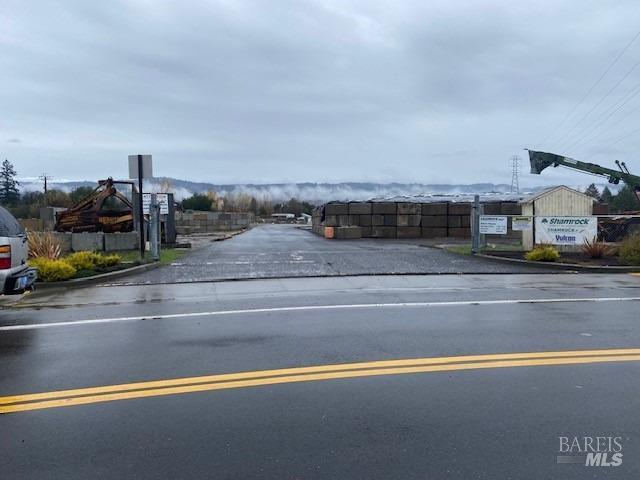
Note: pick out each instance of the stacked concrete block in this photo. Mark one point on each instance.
(360, 215)
(64, 239)
(459, 232)
(435, 232)
(343, 220)
(87, 241)
(408, 220)
(454, 221)
(346, 233)
(377, 220)
(390, 220)
(335, 208)
(383, 232)
(365, 220)
(404, 219)
(384, 208)
(330, 220)
(494, 208)
(203, 222)
(121, 241)
(360, 208)
(409, 217)
(456, 213)
(459, 209)
(408, 232)
(434, 220)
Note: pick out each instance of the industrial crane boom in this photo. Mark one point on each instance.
(541, 160)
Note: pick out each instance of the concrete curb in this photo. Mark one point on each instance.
(80, 282)
(84, 281)
(336, 275)
(231, 235)
(562, 266)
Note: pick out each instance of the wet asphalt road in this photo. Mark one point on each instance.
(272, 251)
(493, 423)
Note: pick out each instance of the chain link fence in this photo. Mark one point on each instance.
(521, 233)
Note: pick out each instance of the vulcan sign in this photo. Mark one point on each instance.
(566, 230)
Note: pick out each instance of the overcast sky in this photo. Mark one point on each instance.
(434, 91)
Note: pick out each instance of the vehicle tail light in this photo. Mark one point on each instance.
(5, 256)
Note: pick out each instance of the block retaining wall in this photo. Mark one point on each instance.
(402, 219)
(204, 222)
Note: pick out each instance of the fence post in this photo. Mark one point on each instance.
(154, 226)
(475, 225)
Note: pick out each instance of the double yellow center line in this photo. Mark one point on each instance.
(108, 393)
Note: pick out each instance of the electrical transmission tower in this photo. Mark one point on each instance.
(516, 164)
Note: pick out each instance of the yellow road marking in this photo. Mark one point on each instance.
(305, 370)
(108, 393)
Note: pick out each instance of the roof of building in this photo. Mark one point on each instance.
(548, 191)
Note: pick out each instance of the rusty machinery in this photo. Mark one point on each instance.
(92, 215)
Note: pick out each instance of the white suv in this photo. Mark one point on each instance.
(15, 274)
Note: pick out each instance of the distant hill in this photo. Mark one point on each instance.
(308, 191)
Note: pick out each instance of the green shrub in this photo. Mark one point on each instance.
(629, 250)
(543, 253)
(92, 260)
(82, 260)
(105, 261)
(50, 270)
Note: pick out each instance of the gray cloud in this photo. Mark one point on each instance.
(286, 91)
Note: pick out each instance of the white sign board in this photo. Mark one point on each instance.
(519, 224)
(566, 230)
(493, 225)
(161, 198)
(147, 170)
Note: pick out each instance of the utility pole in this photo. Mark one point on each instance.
(45, 177)
(516, 164)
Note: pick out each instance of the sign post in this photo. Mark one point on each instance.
(139, 167)
(154, 227)
(140, 210)
(475, 225)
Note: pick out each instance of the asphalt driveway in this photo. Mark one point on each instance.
(275, 251)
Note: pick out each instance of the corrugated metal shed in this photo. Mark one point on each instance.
(561, 201)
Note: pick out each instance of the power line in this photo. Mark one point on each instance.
(604, 97)
(624, 137)
(602, 132)
(595, 84)
(601, 121)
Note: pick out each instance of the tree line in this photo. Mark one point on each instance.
(624, 201)
(28, 204)
(242, 202)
